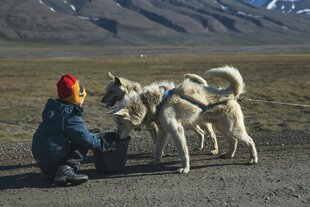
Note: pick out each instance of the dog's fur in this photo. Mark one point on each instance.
(177, 112)
(118, 87)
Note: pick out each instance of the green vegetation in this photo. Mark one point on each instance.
(26, 83)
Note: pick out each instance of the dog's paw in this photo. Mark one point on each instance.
(253, 161)
(183, 170)
(214, 151)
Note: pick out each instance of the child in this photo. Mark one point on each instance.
(61, 141)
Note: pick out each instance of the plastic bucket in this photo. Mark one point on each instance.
(112, 161)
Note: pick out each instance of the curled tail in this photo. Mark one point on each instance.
(195, 78)
(231, 75)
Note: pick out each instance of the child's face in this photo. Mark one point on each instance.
(82, 101)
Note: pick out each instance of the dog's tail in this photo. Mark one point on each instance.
(195, 78)
(231, 75)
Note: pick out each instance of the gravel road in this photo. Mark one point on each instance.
(281, 178)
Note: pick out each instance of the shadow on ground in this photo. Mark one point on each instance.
(22, 178)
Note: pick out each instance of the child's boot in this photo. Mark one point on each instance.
(65, 174)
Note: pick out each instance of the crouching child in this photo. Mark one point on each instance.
(62, 141)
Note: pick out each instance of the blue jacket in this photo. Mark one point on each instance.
(61, 127)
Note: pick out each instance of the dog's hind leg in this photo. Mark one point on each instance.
(201, 136)
(244, 137)
(238, 133)
(214, 147)
(233, 143)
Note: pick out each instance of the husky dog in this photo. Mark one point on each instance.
(172, 113)
(118, 87)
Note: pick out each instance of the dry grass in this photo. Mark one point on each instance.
(26, 83)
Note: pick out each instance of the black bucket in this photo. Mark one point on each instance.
(112, 161)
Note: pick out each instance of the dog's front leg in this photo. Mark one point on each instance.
(160, 144)
(179, 137)
(153, 129)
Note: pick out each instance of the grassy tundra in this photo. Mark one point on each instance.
(26, 83)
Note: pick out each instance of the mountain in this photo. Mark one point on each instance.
(285, 6)
(152, 22)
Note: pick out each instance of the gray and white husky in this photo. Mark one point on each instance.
(118, 87)
(172, 112)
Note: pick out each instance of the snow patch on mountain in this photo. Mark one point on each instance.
(272, 4)
(285, 6)
(307, 11)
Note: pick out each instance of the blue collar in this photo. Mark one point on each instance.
(166, 94)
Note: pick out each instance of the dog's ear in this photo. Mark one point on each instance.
(111, 76)
(117, 81)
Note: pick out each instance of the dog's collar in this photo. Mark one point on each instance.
(166, 94)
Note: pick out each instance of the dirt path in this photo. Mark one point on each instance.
(281, 178)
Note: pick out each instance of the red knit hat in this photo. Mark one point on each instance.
(70, 89)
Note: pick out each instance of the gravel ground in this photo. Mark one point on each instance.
(281, 178)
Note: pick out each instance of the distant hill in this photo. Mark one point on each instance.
(153, 22)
